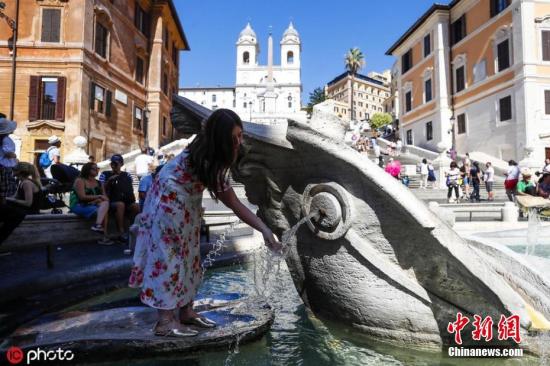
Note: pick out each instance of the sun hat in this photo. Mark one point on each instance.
(526, 172)
(53, 140)
(7, 126)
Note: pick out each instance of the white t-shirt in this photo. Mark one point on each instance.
(7, 146)
(513, 172)
(142, 164)
(453, 175)
(424, 169)
(490, 174)
(53, 151)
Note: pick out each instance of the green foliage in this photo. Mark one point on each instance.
(354, 60)
(380, 119)
(315, 97)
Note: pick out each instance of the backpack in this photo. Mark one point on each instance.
(120, 189)
(45, 160)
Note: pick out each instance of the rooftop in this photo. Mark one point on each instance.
(358, 76)
(419, 22)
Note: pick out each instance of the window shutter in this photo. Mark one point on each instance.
(463, 24)
(51, 24)
(493, 8)
(60, 103)
(34, 98)
(92, 95)
(547, 101)
(55, 25)
(108, 98)
(546, 45)
(46, 25)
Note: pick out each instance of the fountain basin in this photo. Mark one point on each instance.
(126, 332)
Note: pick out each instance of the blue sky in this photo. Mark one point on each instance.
(327, 28)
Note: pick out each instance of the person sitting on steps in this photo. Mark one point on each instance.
(118, 187)
(88, 199)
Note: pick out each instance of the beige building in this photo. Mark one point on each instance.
(96, 68)
(475, 74)
(369, 95)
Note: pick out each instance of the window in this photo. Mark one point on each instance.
(408, 101)
(47, 98)
(139, 70)
(406, 62)
(138, 120)
(427, 90)
(429, 131)
(497, 6)
(458, 29)
(460, 82)
(244, 104)
(175, 54)
(409, 137)
(166, 38)
(503, 52)
(246, 58)
(289, 104)
(101, 40)
(290, 57)
(51, 25)
(461, 123)
(547, 102)
(100, 100)
(545, 45)
(213, 98)
(427, 45)
(505, 108)
(141, 20)
(165, 83)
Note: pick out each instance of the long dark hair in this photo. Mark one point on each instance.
(86, 170)
(211, 152)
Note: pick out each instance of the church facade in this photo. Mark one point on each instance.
(262, 93)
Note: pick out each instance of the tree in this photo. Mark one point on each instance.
(315, 97)
(380, 120)
(354, 61)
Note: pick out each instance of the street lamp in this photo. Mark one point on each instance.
(13, 25)
(146, 115)
(453, 136)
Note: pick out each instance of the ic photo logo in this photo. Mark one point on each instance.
(16, 355)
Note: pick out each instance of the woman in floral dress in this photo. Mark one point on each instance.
(167, 263)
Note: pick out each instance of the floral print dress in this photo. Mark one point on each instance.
(167, 264)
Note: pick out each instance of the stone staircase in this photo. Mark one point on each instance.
(438, 195)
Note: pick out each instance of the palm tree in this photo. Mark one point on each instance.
(354, 61)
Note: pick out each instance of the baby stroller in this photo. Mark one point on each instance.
(54, 189)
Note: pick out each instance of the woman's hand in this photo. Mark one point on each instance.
(272, 242)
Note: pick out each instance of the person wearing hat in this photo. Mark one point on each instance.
(118, 185)
(526, 186)
(54, 155)
(8, 159)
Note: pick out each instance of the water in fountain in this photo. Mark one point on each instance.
(266, 271)
(267, 264)
(533, 227)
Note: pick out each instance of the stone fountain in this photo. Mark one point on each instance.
(377, 258)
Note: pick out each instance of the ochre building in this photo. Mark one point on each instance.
(102, 69)
(475, 74)
(369, 95)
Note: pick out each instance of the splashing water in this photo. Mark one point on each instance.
(532, 231)
(266, 270)
(218, 246)
(267, 264)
